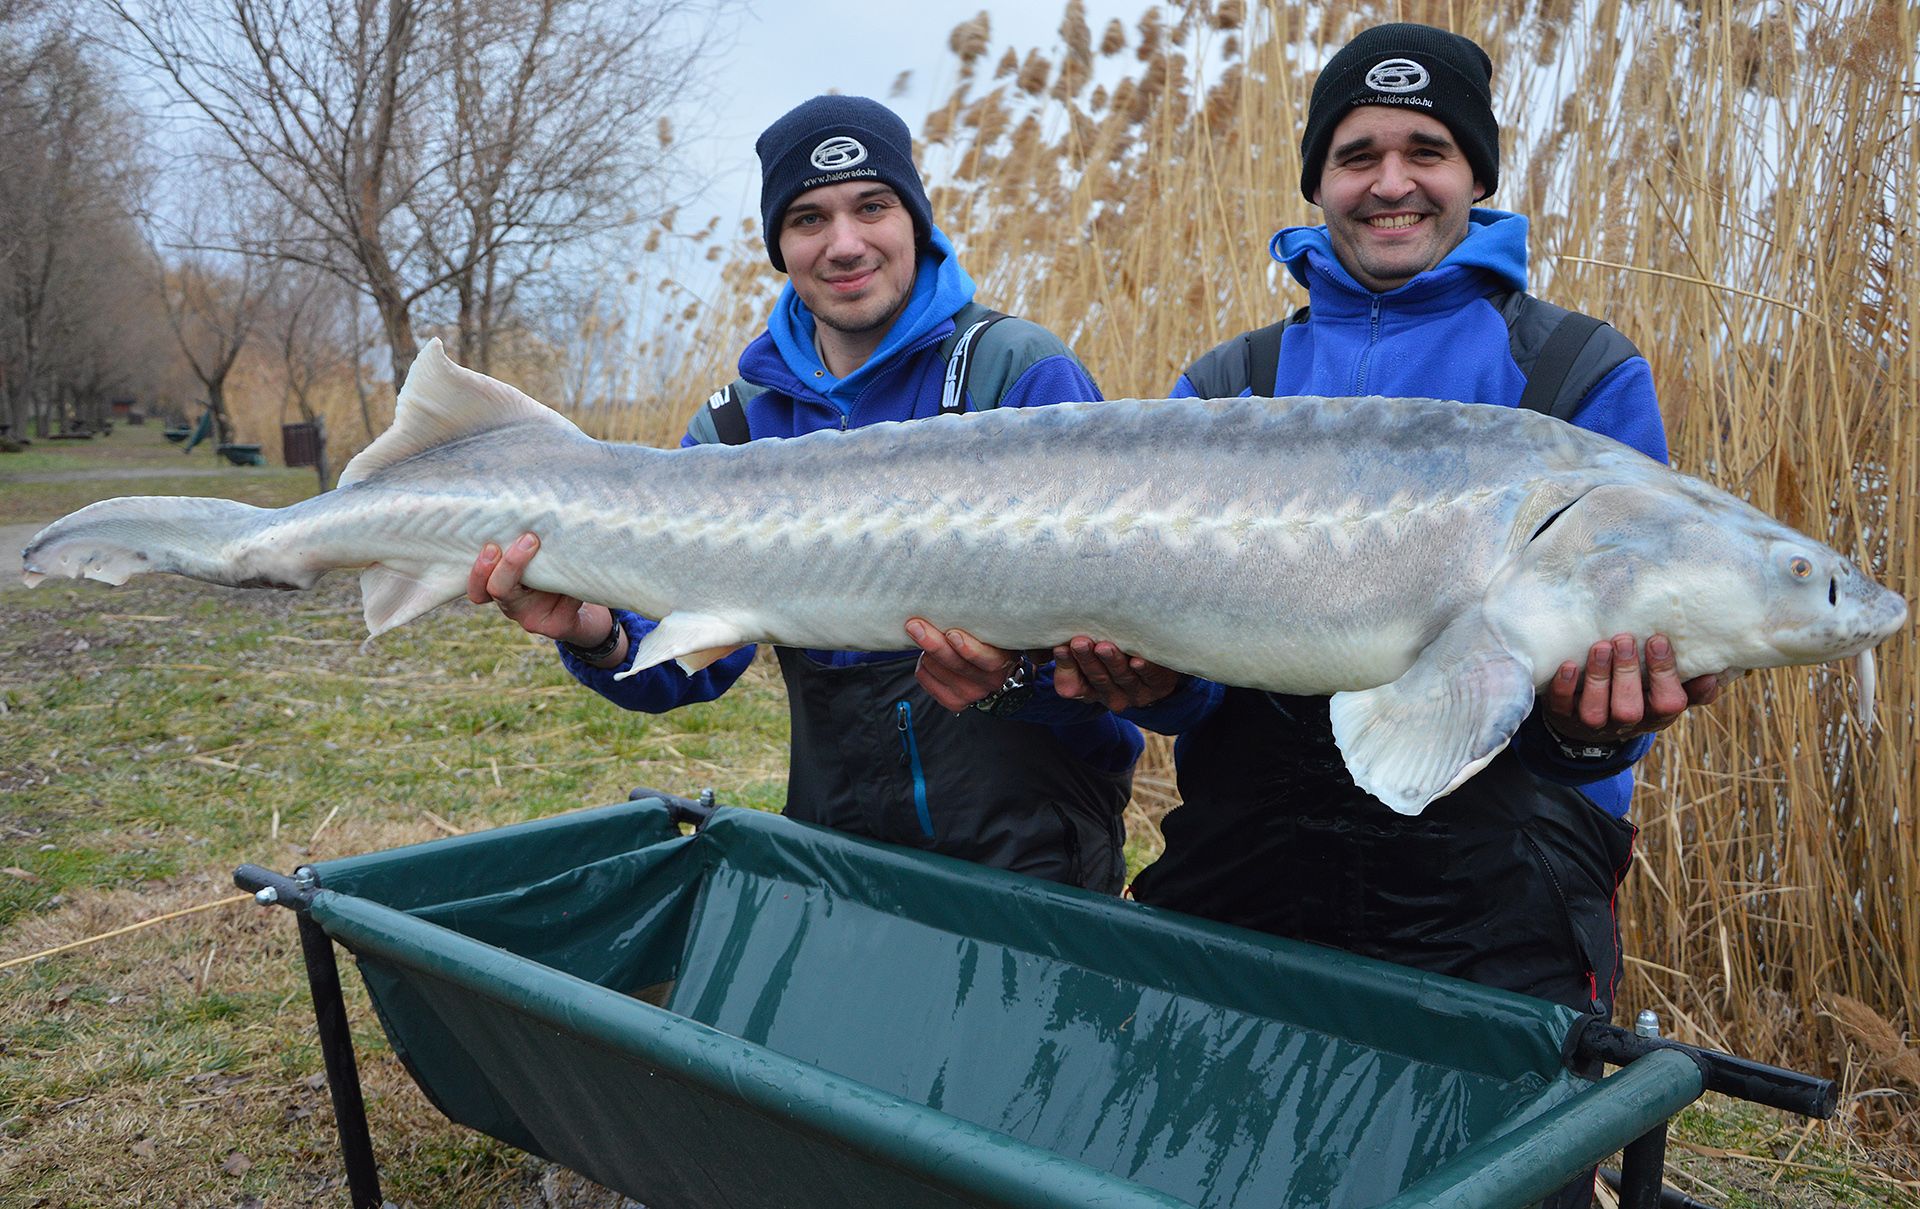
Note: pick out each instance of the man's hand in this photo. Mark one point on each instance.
(1612, 701)
(495, 579)
(956, 668)
(1100, 672)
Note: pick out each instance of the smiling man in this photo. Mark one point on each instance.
(877, 322)
(1413, 291)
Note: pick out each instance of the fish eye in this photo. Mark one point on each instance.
(1799, 567)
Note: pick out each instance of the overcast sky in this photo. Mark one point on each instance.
(786, 52)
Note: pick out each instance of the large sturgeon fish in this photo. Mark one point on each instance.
(1429, 564)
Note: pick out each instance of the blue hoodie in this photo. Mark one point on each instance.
(903, 380)
(1439, 335)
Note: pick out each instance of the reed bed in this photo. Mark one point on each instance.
(1734, 186)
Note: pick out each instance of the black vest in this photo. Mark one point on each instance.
(1509, 881)
(874, 755)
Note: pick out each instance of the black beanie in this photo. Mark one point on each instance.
(1443, 75)
(828, 140)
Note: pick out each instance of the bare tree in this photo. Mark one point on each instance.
(310, 325)
(310, 95)
(214, 296)
(336, 105)
(106, 333)
(555, 118)
(65, 155)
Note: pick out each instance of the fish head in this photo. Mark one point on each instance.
(1732, 588)
(1819, 605)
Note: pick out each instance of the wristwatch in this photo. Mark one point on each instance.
(1579, 749)
(594, 654)
(1013, 694)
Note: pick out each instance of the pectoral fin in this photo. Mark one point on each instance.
(1452, 712)
(693, 639)
(391, 594)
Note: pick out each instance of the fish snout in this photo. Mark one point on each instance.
(1892, 614)
(1876, 609)
(1867, 614)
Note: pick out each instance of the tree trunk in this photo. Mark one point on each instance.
(321, 466)
(472, 334)
(398, 325)
(217, 404)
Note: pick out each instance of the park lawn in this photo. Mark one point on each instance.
(159, 734)
(154, 736)
(49, 479)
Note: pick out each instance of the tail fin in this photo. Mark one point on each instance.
(114, 540)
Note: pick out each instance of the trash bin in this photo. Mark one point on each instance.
(300, 444)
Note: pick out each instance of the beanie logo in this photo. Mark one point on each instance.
(838, 152)
(1397, 75)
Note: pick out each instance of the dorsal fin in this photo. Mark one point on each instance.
(441, 402)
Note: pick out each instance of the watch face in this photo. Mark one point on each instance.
(1006, 701)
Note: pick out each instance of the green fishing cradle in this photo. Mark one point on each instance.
(764, 1013)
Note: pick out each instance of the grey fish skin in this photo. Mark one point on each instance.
(1429, 564)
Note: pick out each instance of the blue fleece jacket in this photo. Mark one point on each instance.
(1439, 335)
(903, 380)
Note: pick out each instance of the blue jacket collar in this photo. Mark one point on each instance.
(940, 288)
(1495, 250)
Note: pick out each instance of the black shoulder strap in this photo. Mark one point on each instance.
(728, 410)
(1555, 362)
(1263, 352)
(969, 325)
(727, 407)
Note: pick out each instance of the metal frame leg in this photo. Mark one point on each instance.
(343, 1074)
(1642, 1165)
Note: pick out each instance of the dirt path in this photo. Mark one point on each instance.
(12, 538)
(120, 472)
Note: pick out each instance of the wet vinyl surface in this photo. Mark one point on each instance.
(855, 1001)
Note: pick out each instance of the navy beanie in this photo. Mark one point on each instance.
(1443, 75)
(828, 140)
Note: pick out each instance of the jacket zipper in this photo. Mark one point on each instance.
(1581, 959)
(1373, 338)
(910, 756)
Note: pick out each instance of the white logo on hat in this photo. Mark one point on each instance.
(1393, 75)
(838, 152)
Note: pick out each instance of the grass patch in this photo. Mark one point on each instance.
(50, 479)
(28, 502)
(41, 459)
